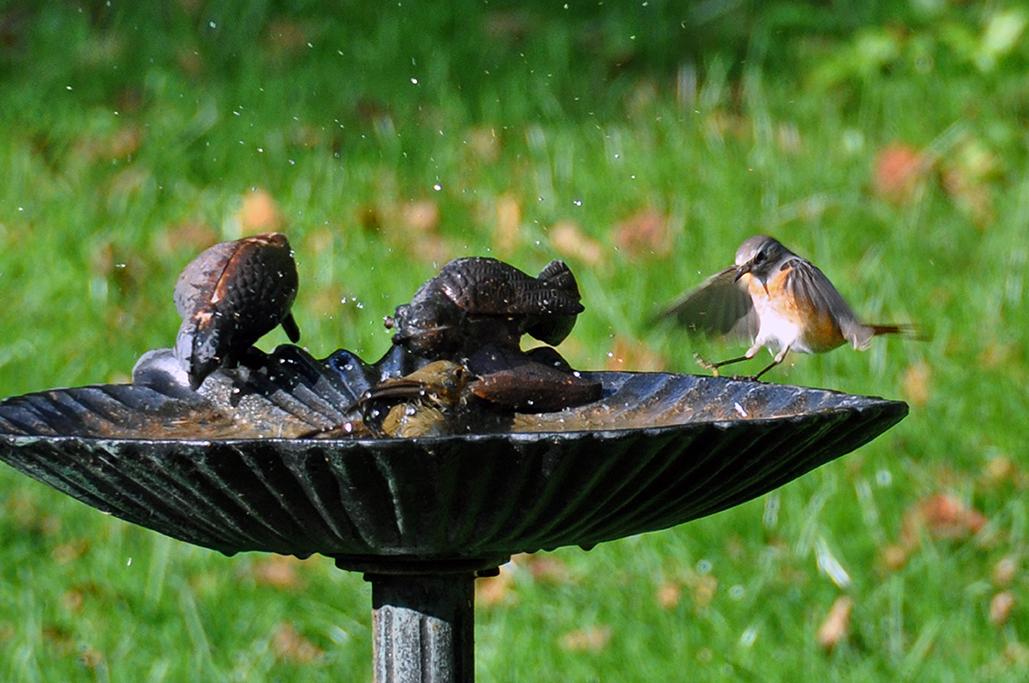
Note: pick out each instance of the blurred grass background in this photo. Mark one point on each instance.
(642, 142)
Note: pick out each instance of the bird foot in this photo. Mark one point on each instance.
(706, 364)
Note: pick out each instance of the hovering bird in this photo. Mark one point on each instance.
(775, 299)
(230, 296)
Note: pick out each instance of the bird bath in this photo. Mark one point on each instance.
(422, 517)
(218, 444)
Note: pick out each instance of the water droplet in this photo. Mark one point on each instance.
(437, 187)
(67, 87)
(414, 81)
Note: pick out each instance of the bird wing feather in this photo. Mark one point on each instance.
(719, 306)
(809, 285)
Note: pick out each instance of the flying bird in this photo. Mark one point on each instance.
(774, 299)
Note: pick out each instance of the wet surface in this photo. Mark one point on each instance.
(289, 394)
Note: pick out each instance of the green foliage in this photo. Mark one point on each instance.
(135, 135)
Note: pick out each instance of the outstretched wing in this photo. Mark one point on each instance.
(720, 306)
(810, 286)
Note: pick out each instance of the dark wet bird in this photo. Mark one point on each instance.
(773, 299)
(477, 301)
(230, 296)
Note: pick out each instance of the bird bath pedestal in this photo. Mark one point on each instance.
(423, 517)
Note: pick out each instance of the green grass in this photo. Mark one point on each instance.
(132, 136)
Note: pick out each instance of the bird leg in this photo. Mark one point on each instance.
(779, 357)
(713, 367)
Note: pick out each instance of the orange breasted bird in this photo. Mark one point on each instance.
(776, 299)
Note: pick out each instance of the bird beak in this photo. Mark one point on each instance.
(741, 271)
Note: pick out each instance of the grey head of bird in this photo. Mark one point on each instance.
(760, 256)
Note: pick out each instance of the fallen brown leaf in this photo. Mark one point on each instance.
(125, 142)
(942, 516)
(277, 571)
(628, 354)
(568, 239)
(547, 569)
(369, 218)
(836, 624)
(1000, 607)
(720, 123)
(507, 26)
(495, 590)
(72, 600)
(669, 594)
(703, 588)
(787, 136)
(59, 638)
(421, 216)
(327, 301)
(259, 213)
(290, 645)
(898, 168)
(120, 144)
(485, 144)
(893, 556)
(916, 383)
(972, 197)
(1016, 653)
(1001, 470)
(70, 551)
(189, 61)
(645, 233)
(996, 354)
(507, 235)
(91, 657)
(285, 35)
(189, 236)
(1005, 571)
(591, 639)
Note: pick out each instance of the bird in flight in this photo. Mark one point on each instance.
(773, 298)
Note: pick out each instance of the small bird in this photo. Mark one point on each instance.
(775, 299)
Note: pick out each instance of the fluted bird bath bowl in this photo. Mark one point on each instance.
(423, 517)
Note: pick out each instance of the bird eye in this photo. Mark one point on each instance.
(759, 257)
